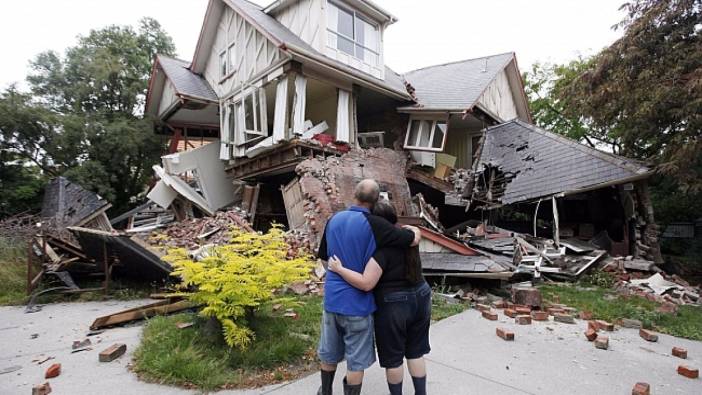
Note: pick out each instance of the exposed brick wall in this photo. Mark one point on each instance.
(328, 184)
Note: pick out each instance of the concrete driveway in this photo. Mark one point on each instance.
(467, 358)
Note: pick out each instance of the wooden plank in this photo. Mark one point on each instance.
(159, 308)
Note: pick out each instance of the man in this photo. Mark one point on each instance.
(347, 323)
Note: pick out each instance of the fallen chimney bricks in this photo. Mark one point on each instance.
(564, 318)
(504, 334)
(523, 319)
(688, 372)
(648, 335)
(490, 315)
(680, 352)
(602, 342)
(641, 389)
(511, 313)
(591, 334)
(605, 326)
(539, 315)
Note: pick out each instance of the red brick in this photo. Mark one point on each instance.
(593, 325)
(510, 305)
(564, 318)
(511, 313)
(555, 310)
(641, 389)
(648, 335)
(490, 315)
(41, 389)
(504, 333)
(570, 310)
(482, 307)
(523, 319)
(499, 304)
(591, 334)
(605, 326)
(602, 342)
(585, 315)
(526, 296)
(53, 371)
(680, 352)
(688, 372)
(523, 310)
(112, 352)
(539, 315)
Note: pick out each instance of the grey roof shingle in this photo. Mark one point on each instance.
(541, 163)
(185, 81)
(457, 85)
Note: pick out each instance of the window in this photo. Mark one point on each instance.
(227, 60)
(223, 64)
(351, 33)
(426, 134)
(249, 120)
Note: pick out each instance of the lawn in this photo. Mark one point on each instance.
(608, 305)
(13, 273)
(284, 348)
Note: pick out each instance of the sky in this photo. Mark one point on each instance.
(428, 32)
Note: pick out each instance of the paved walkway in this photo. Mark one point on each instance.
(466, 358)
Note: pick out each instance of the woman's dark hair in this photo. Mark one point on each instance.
(384, 209)
(414, 264)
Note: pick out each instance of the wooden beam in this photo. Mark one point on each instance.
(159, 308)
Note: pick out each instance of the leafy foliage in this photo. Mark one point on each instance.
(238, 277)
(84, 116)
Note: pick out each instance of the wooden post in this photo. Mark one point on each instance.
(106, 268)
(29, 266)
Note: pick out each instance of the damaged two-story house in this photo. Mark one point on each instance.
(284, 108)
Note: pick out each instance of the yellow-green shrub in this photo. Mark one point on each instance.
(237, 277)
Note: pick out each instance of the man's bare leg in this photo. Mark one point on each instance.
(353, 377)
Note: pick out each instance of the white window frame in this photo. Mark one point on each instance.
(260, 122)
(227, 58)
(223, 66)
(424, 120)
(356, 15)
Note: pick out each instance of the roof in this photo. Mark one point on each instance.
(365, 6)
(537, 163)
(455, 86)
(69, 204)
(185, 81)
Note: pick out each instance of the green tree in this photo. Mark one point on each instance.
(645, 89)
(96, 91)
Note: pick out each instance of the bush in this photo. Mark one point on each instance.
(235, 279)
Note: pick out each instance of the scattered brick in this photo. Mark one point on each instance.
(41, 389)
(564, 318)
(688, 372)
(591, 334)
(509, 305)
(570, 310)
(593, 325)
(539, 315)
(112, 352)
(641, 389)
(528, 296)
(602, 342)
(680, 352)
(53, 371)
(482, 307)
(499, 304)
(629, 323)
(605, 326)
(505, 334)
(648, 335)
(523, 319)
(523, 310)
(585, 315)
(555, 310)
(511, 313)
(490, 315)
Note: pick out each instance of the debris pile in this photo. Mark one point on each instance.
(193, 233)
(670, 291)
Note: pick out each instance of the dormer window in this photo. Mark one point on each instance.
(353, 34)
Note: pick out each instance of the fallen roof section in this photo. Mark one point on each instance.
(69, 204)
(534, 163)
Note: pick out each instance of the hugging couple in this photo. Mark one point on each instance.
(374, 283)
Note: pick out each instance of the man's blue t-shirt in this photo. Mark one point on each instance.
(349, 236)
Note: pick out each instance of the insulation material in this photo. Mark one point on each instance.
(281, 101)
(299, 104)
(343, 121)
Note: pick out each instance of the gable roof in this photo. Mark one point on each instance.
(537, 163)
(69, 204)
(185, 81)
(455, 86)
(287, 41)
(366, 6)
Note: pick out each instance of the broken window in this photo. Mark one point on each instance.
(351, 33)
(426, 134)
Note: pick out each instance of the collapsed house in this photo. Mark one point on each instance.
(284, 108)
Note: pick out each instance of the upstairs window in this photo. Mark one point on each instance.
(426, 134)
(249, 120)
(351, 33)
(227, 60)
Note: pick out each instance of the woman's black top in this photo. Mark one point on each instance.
(402, 268)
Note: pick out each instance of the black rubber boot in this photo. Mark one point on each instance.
(352, 389)
(327, 383)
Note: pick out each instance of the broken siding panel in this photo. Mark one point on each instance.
(294, 204)
(498, 98)
(253, 53)
(306, 19)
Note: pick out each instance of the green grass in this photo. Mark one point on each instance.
(441, 309)
(283, 349)
(608, 305)
(13, 273)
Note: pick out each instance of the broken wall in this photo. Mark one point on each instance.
(327, 184)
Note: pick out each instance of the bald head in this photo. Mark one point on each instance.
(367, 192)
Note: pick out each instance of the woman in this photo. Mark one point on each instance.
(403, 299)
